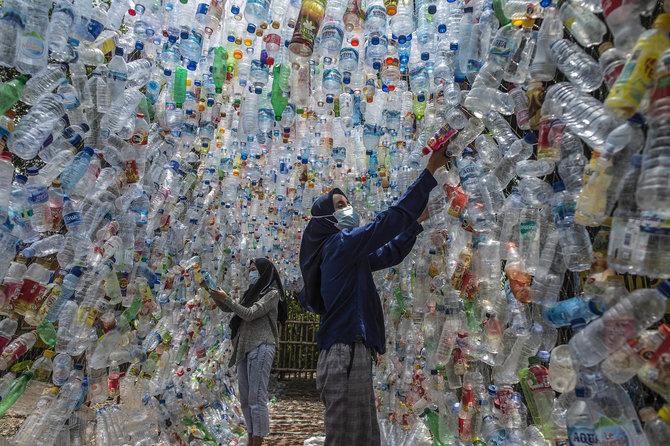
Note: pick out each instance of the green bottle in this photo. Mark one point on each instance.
(47, 333)
(539, 395)
(219, 68)
(179, 94)
(15, 391)
(279, 98)
(434, 426)
(11, 92)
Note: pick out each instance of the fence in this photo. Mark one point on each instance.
(297, 353)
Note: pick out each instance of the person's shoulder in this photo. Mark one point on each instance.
(271, 293)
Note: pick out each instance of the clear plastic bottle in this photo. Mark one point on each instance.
(543, 68)
(578, 67)
(621, 322)
(580, 420)
(585, 26)
(656, 425)
(31, 44)
(36, 126)
(562, 374)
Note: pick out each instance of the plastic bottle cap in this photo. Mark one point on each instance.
(78, 366)
(28, 253)
(664, 288)
(662, 22)
(530, 138)
(559, 186)
(89, 151)
(582, 392)
(48, 353)
(664, 413)
(604, 47)
(491, 390)
(76, 271)
(118, 51)
(192, 65)
(85, 127)
(7, 156)
(139, 45)
(578, 324)
(22, 179)
(32, 171)
(453, 46)
(543, 356)
(647, 414)
(636, 160)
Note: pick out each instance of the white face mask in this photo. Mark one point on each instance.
(347, 218)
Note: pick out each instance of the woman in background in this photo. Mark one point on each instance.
(254, 336)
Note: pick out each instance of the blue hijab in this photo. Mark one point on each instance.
(317, 232)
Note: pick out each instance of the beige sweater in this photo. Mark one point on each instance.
(259, 324)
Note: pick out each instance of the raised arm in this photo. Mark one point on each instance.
(396, 250)
(258, 309)
(390, 223)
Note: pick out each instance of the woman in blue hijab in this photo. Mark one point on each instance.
(337, 259)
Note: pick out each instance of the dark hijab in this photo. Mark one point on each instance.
(317, 232)
(268, 279)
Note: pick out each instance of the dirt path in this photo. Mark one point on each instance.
(297, 415)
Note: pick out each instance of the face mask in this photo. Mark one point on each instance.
(253, 276)
(347, 218)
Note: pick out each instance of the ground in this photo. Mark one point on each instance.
(297, 415)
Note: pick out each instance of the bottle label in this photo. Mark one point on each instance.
(501, 48)
(117, 76)
(548, 138)
(140, 139)
(39, 196)
(610, 6)
(655, 224)
(661, 87)
(132, 174)
(582, 436)
(348, 56)
(73, 219)
(375, 12)
(332, 32)
(616, 332)
(42, 375)
(32, 45)
(610, 76)
(610, 433)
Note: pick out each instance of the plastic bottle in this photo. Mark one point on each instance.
(15, 391)
(635, 78)
(17, 348)
(7, 329)
(562, 374)
(518, 277)
(62, 365)
(35, 126)
(624, 363)
(587, 29)
(656, 425)
(575, 241)
(622, 19)
(580, 419)
(611, 63)
(621, 322)
(578, 67)
(309, 20)
(543, 68)
(31, 43)
(539, 395)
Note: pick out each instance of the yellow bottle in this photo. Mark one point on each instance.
(636, 77)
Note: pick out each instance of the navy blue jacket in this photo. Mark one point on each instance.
(349, 257)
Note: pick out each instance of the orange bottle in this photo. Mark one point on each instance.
(519, 279)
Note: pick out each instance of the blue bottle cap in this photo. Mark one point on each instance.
(139, 45)
(664, 288)
(425, 55)
(32, 171)
(84, 127)
(329, 99)
(377, 65)
(530, 138)
(251, 28)
(76, 271)
(432, 9)
(543, 355)
(636, 160)
(374, 40)
(401, 39)
(192, 65)
(559, 186)
(184, 34)
(89, 151)
(28, 252)
(492, 390)
(118, 51)
(78, 366)
(235, 9)
(22, 179)
(453, 46)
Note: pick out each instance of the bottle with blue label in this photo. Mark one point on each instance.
(580, 416)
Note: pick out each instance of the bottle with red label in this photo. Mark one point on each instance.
(539, 396)
(611, 61)
(14, 280)
(17, 348)
(7, 329)
(34, 282)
